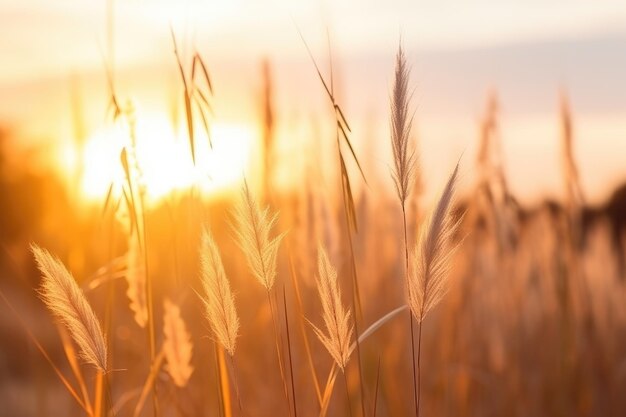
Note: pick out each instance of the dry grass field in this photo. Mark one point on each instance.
(351, 291)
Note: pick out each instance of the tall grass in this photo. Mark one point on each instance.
(403, 169)
(64, 298)
(219, 302)
(430, 263)
(339, 327)
(252, 230)
(524, 278)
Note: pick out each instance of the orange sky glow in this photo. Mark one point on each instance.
(53, 57)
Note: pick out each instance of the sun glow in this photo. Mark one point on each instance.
(164, 158)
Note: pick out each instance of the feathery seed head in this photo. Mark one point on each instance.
(218, 299)
(253, 236)
(401, 122)
(64, 298)
(336, 317)
(429, 263)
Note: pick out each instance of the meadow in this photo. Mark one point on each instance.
(344, 294)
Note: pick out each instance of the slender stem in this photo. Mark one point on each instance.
(108, 313)
(419, 354)
(376, 388)
(236, 384)
(356, 298)
(155, 403)
(415, 374)
(218, 376)
(278, 355)
(358, 358)
(416, 367)
(345, 380)
(108, 403)
(293, 384)
(305, 339)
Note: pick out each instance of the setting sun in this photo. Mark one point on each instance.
(164, 158)
(312, 208)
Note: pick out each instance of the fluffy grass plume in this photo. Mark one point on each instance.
(218, 298)
(336, 317)
(63, 297)
(136, 279)
(177, 344)
(401, 122)
(253, 235)
(430, 260)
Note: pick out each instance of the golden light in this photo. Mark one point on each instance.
(165, 160)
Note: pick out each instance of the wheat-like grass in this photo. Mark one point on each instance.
(253, 236)
(218, 299)
(252, 230)
(336, 317)
(404, 166)
(177, 344)
(430, 260)
(401, 122)
(136, 280)
(64, 298)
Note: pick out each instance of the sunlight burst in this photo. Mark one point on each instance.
(164, 158)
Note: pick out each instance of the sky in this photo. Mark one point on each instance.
(43, 38)
(527, 51)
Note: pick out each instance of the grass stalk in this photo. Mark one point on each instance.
(98, 404)
(221, 395)
(108, 312)
(345, 380)
(278, 344)
(235, 381)
(376, 388)
(415, 371)
(293, 388)
(72, 358)
(307, 345)
(149, 300)
(341, 130)
(419, 356)
(149, 383)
